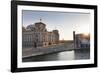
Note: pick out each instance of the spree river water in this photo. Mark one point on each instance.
(66, 55)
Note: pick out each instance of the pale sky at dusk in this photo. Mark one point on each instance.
(65, 22)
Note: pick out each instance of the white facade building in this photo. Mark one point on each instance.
(36, 35)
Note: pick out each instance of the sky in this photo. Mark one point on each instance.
(64, 22)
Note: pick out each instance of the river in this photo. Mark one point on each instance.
(66, 55)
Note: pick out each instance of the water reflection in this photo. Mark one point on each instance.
(67, 55)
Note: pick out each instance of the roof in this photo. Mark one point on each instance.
(39, 23)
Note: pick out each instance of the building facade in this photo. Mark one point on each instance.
(36, 35)
(81, 40)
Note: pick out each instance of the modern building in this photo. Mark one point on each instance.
(81, 40)
(36, 35)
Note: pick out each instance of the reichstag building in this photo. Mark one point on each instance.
(36, 35)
